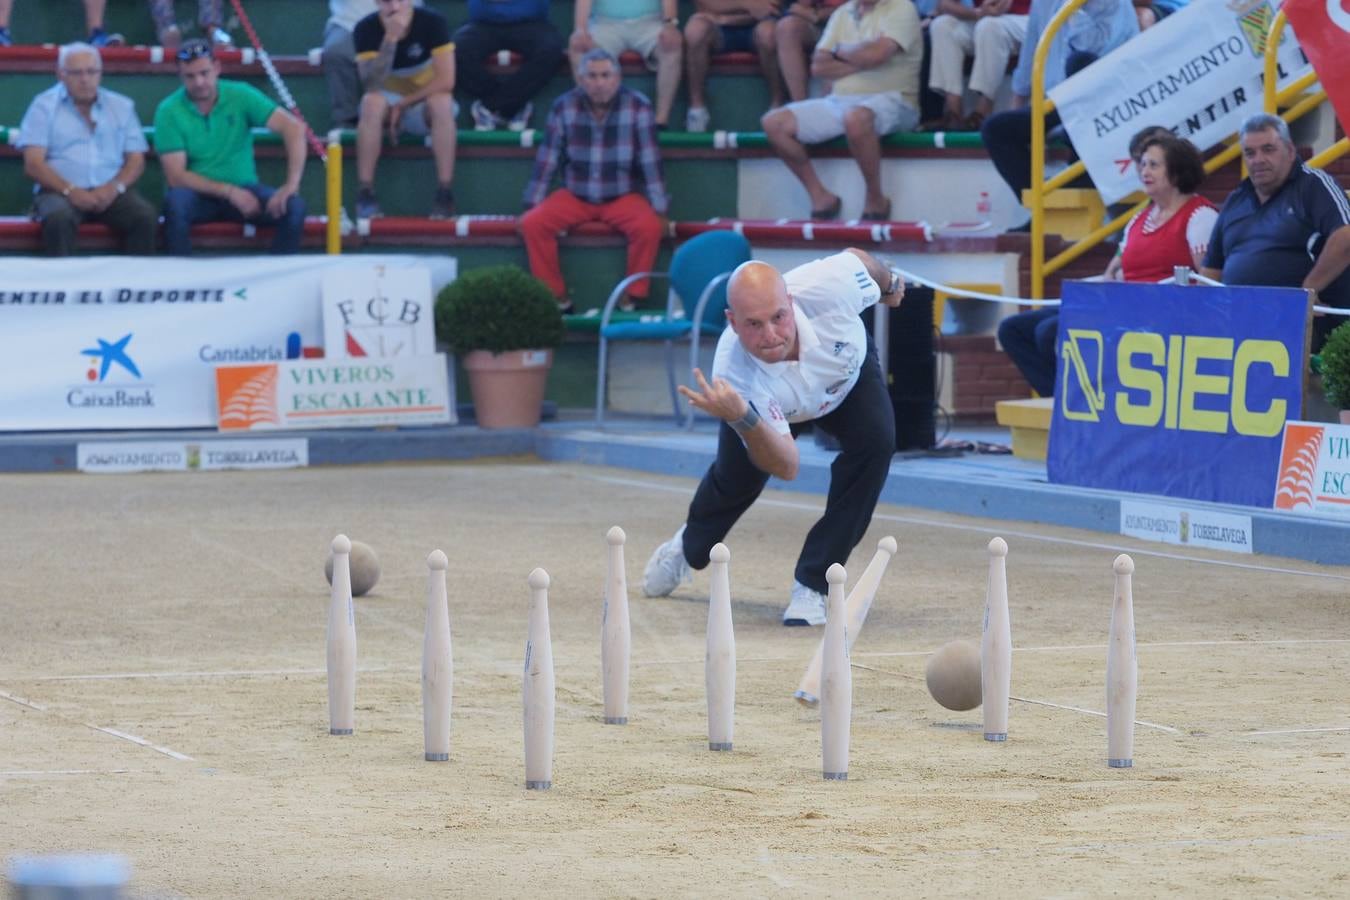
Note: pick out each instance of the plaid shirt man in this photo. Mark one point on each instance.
(600, 160)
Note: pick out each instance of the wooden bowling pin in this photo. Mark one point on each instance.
(836, 682)
(341, 642)
(538, 692)
(1122, 670)
(859, 603)
(996, 648)
(615, 635)
(438, 671)
(720, 663)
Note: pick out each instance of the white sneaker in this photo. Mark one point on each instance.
(667, 568)
(697, 119)
(805, 606)
(521, 120)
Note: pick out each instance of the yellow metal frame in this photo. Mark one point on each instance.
(1041, 105)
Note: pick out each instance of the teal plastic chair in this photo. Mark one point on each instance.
(696, 304)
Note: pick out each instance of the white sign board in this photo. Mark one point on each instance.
(118, 457)
(378, 311)
(1314, 469)
(322, 393)
(1198, 72)
(118, 342)
(1188, 527)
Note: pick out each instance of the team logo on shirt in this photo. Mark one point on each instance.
(864, 280)
(415, 50)
(839, 347)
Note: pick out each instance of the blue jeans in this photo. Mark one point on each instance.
(184, 207)
(1029, 340)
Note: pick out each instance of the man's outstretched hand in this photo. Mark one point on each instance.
(718, 399)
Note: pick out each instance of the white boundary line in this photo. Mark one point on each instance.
(1298, 731)
(981, 529)
(141, 741)
(22, 702)
(225, 673)
(1092, 712)
(28, 773)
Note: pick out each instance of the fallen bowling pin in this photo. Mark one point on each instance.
(836, 685)
(615, 633)
(341, 643)
(859, 603)
(1122, 670)
(438, 672)
(996, 648)
(720, 662)
(538, 689)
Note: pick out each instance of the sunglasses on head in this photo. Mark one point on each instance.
(194, 50)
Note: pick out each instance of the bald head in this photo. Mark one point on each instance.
(759, 310)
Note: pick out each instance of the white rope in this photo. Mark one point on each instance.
(948, 289)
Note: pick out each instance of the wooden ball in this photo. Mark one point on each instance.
(364, 566)
(953, 675)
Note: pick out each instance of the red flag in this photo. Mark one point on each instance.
(1323, 31)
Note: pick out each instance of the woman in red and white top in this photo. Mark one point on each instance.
(1174, 229)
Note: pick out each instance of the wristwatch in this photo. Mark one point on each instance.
(673, 20)
(894, 284)
(746, 423)
(121, 188)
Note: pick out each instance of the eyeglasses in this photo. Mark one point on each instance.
(194, 50)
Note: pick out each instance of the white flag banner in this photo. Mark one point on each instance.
(1198, 72)
(117, 342)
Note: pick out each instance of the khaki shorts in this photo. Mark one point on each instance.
(414, 119)
(822, 118)
(618, 35)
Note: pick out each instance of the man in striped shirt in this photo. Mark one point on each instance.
(600, 141)
(1285, 224)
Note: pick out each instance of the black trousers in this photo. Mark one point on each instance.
(130, 215)
(864, 425)
(538, 42)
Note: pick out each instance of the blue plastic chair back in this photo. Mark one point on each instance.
(697, 262)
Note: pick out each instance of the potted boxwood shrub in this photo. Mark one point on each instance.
(504, 324)
(1335, 367)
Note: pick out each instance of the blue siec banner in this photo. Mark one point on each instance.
(1181, 391)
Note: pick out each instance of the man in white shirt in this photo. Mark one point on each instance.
(795, 353)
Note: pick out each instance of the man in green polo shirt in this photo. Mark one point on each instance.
(205, 143)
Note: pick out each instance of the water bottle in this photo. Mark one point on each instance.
(984, 207)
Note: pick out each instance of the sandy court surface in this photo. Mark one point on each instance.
(187, 612)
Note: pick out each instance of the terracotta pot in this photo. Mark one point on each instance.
(1345, 417)
(508, 388)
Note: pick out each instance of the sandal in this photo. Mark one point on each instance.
(972, 122)
(830, 212)
(877, 215)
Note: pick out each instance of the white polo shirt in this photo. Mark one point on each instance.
(828, 297)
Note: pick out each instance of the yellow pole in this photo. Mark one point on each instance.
(1040, 105)
(333, 169)
(1271, 61)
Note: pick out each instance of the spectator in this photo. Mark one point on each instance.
(870, 51)
(407, 66)
(1303, 240)
(204, 138)
(208, 17)
(523, 27)
(93, 21)
(601, 140)
(1173, 230)
(795, 355)
(339, 59)
(651, 27)
(1096, 29)
(1151, 12)
(84, 147)
(728, 26)
(991, 32)
(795, 35)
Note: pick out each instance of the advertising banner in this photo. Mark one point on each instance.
(120, 457)
(1186, 527)
(323, 393)
(1180, 391)
(120, 342)
(1198, 72)
(1314, 474)
(1323, 29)
(376, 311)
